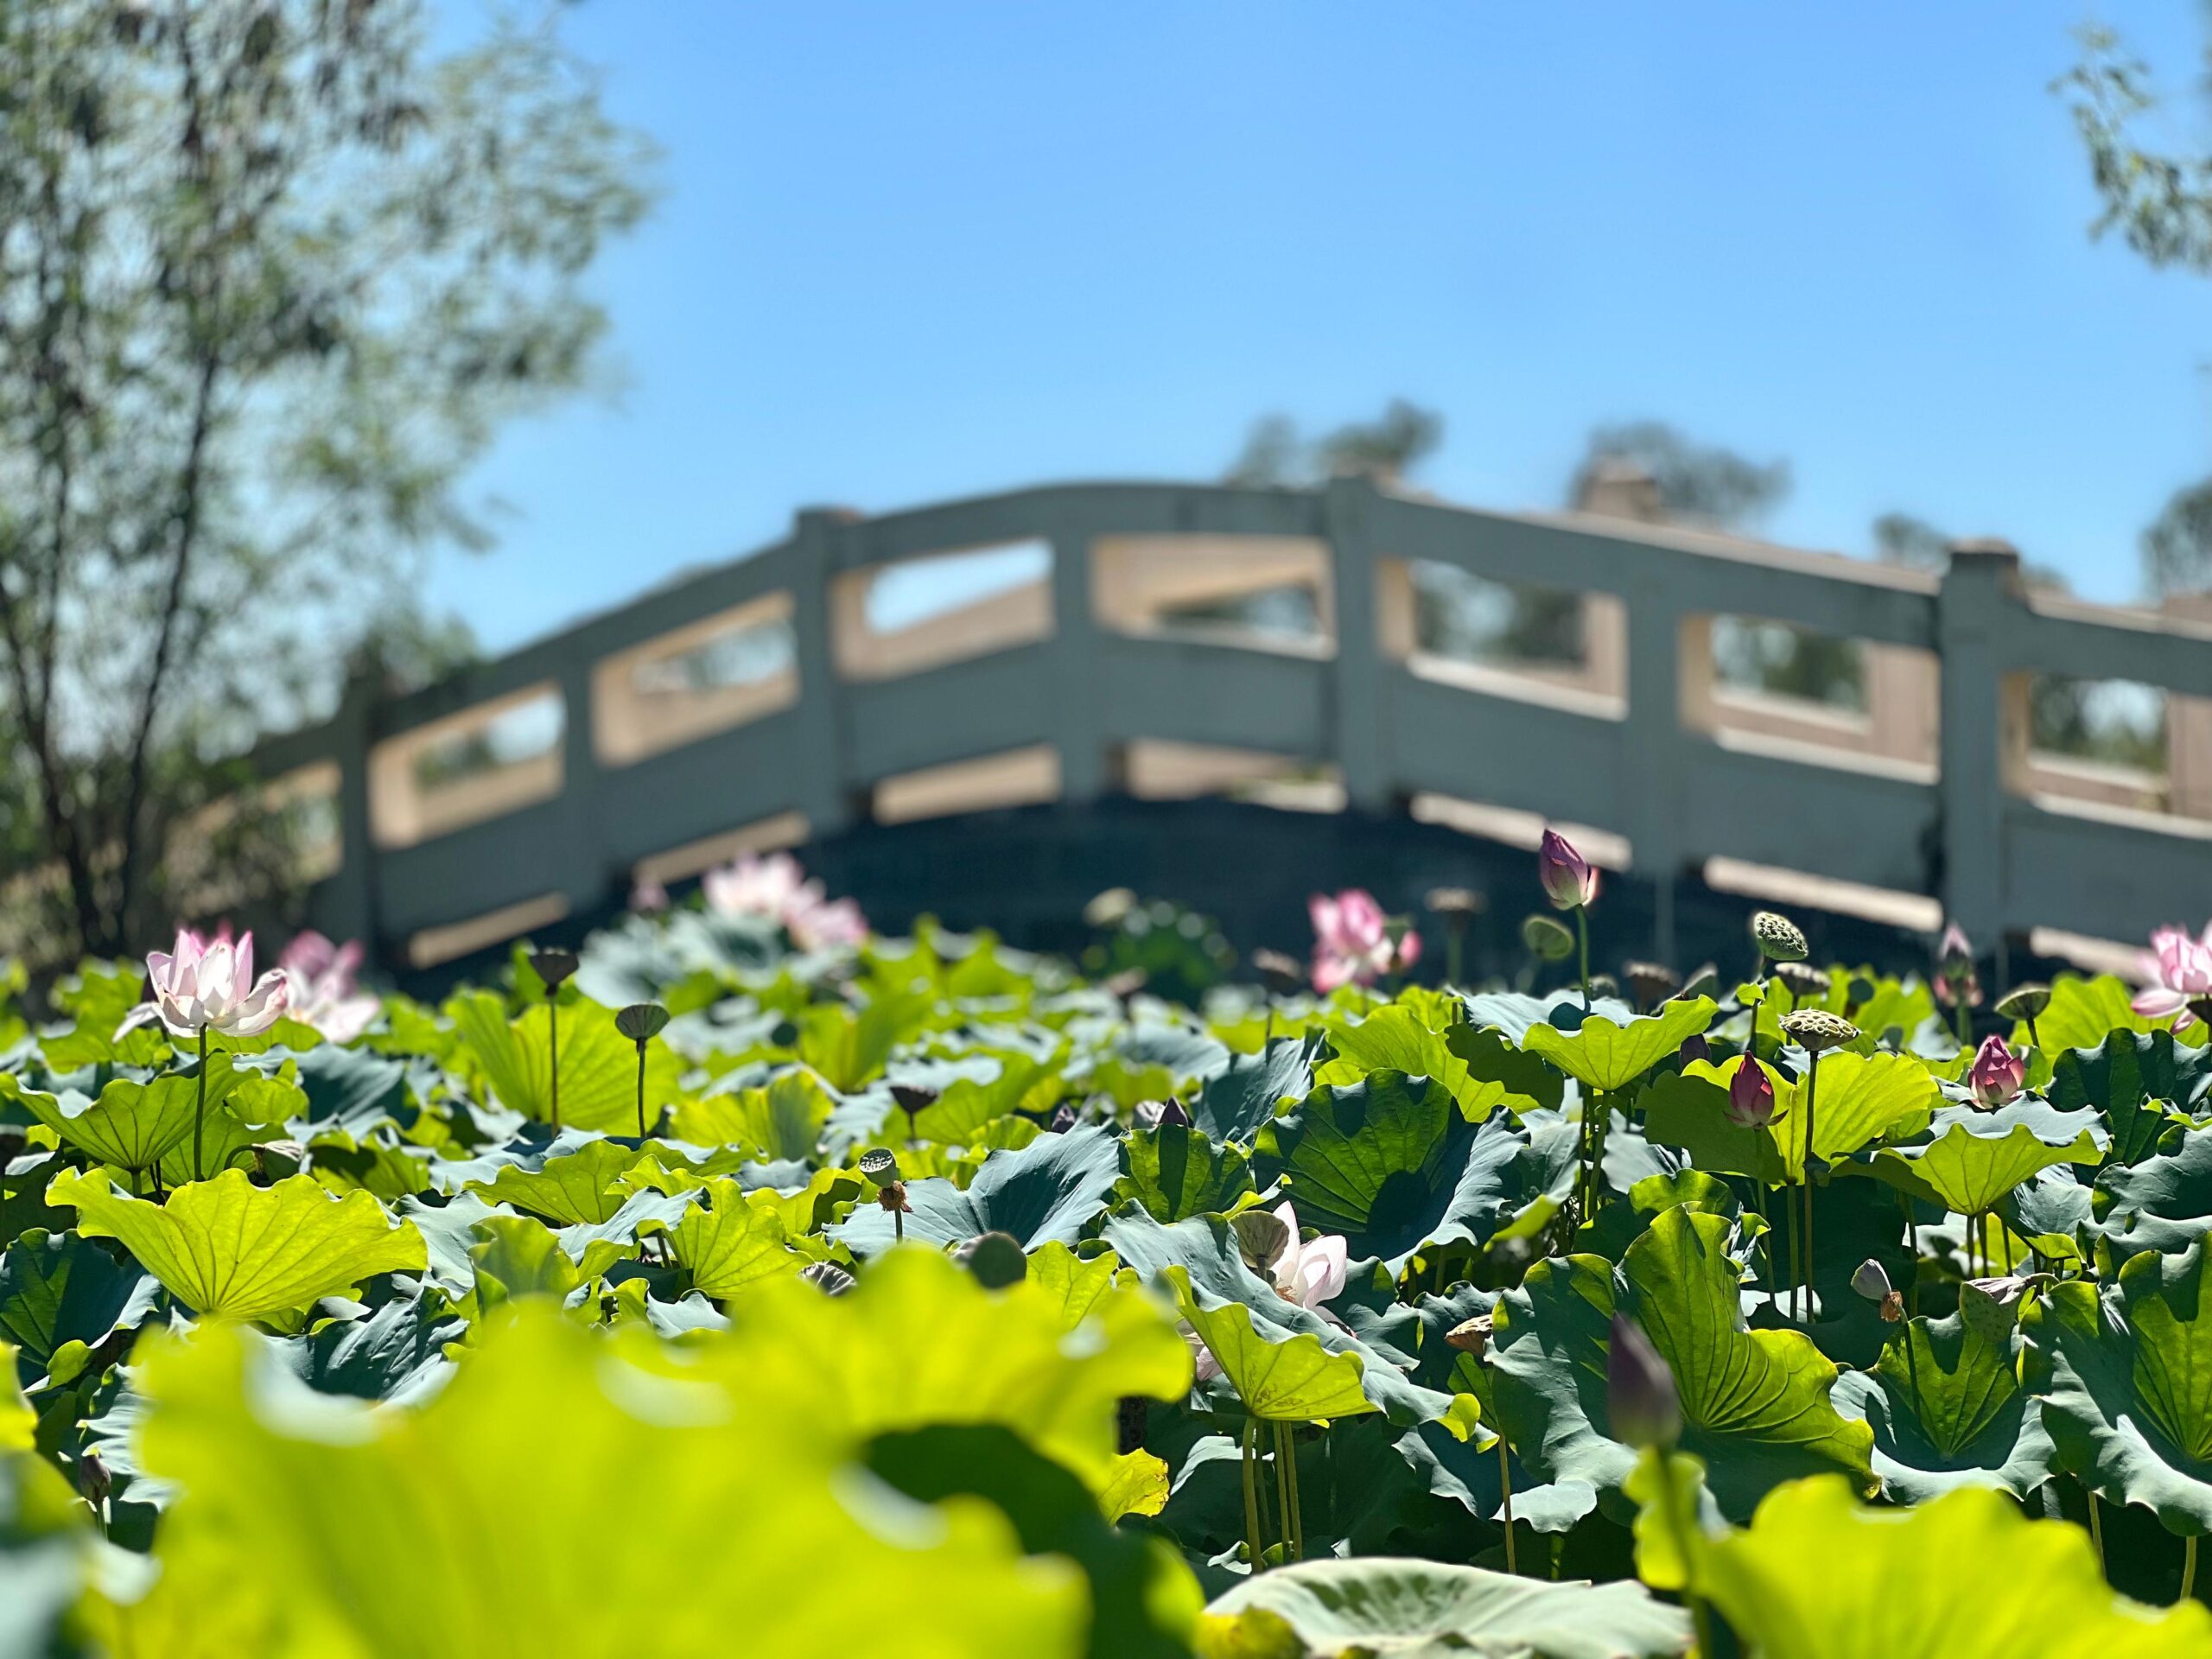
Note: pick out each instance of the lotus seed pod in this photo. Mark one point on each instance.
(1547, 940)
(1454, 903)
(1651, 981)
(827, 1277)
(995, 1259)
(641, 1022)
(1779, 939)
(1281, 976)
(879, 1165)
(1602, 985)
(1704, 980)
(1870, 1280)
(1640, 1396)
(2025, 1001)
(1991, 1307)
(1261, 1235)
(1470, 1335)
(1107, 909)
(912, 1097)
(1815, 1029)
(1805, 982)
(553, 967)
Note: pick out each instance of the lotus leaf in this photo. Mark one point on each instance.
(784, 1119)
(1608, 1056)
(599, 1064)
(580, 1187)
(134, 1125)
(61, 1296)
(1048, 1190)
(1481, 1071)
(1175, 1170)
(1948, 1411)
(1279, 1378)
(1972, 1159)
(1864, 1100)
(734, 1242)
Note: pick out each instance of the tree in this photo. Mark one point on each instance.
(1384, 449)
(273, 275)
(1703, 483)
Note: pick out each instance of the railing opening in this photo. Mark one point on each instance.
(1757, 660)
(1255, 593)
(467, 767)
(1526, 640)
(716, 673)
(899, 619)
(1156, 770)
(2104, 742)
(1762, 685)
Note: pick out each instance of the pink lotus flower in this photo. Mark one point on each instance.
(205, 985)
(1997, 1073)
(775, 889)
(1955, 980)
(1570, 880)
(2179, 968)
(1351, 941)
(648, 897)
(323, 989)
(1751, 1096)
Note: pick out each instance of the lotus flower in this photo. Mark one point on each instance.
(648, 897)
(1751, 1096)
(205, 985)
(1956, 982)
(323, 992)
(1996, 1074)
(1311, 1272)
(775, 889)
(1570, 880)
(1351, 941)
(2179, 968)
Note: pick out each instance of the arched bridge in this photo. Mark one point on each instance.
(1110, 648)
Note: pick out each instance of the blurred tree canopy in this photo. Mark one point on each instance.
(1275, 456)
(1698, 483)
(273, 275)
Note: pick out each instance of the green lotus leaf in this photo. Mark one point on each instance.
(97, 999)
(1482, 1071)
(1818, 1576)
(599, 1064)
(1393, 1164)
(227, 1249)
(847, 1048)
(1075, 1284)
(2083, 1012)
(957, 1115)
(734, 1242)
(1175, 1170)
(398, 1352)
(2122, 1375)
(1608, 1056)
(1384, 1605)
(578, 1188)
(1233, 1104)
(1864, 1100)
(2126, 1078)
(1948, 1411)
(61, 1296)
(135, 1125)
(1050, 1189)
(519, 1256)
(1972, 1158)
(2163, 1203)
(784, 1119)
(374, 1164)
(1279, 1378)
(1205, 1249)
(298, 1515)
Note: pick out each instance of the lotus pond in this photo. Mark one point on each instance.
(749, 1284)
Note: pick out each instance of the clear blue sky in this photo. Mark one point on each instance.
(909, 252)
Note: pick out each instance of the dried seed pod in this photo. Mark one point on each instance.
(1805, 982)
(1815, 1029)
(1870, 1280)
(641, 1022)
(995, 1259)
(912, 1097)
(1454, 903)
(2025, 1001)
(1547, 940)
(1261, 1236)
(1470, 1335)
(1281, 976)
(1779, 939)
(1650, 982)
(879, 1165)
(554, 967)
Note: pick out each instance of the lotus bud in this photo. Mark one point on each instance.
(1806, 983)
(1470, 1335)
(1281, 976)
(94, 1479)
(1817, 1029)
(995, 1259)
(1704, 980)
(827, 1277)
(2024, 1002)
(1694, 1048)
(1870, 1280)
(641, 1022)
(1547, 941)
(1569, 880)
(1955, 957)
(1161, 1115)
(1640, 1396)
(881, 1165)
(1064, 1117)
(1650, 982)
(1996, 1075)
(1779, 939)
(1751, 1096)
(554, 967)
(1454, 905)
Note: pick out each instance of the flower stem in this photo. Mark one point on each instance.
(1251, 1493)
(2096, 1530)
(1582, 935)
(1282, 1484)
(2188, 1568)
(1685, 1545)
(1297, 1503)
(1505, 1480)
(553, 1053)
(1812, 1082)
(199, 1106)
(641, 1091)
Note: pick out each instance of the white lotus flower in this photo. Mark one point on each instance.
(204, 986)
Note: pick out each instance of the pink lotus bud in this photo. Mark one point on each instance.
(1569, 880)
(1751, 1096)
(1955, 957)
(1996, 1074)
(1640, 1396)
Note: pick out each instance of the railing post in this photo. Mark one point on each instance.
(1981, 592)
(819, 761)
(1655, 764)
(1076, 681)
(344, 904)
(1359, 732)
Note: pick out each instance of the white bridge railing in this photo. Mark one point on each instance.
(774, 698)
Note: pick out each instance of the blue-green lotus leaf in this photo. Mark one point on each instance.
(61, 1296)
(1948, 1411)
(2161, 1203)
(1176, 1172)
(1970, 1158)
(1050, 1189)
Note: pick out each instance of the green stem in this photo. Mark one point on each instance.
(2032, 1036)
(199, 1107)
(1685, 1546)
(1759, 1001)
(1582, 933)
(2096, 1530)
(1796, 1252)
(1297, 1503)
(1811, 1084)
(1282, 1484)
(1505, 1480)
(1912, 1371)
(1251, 1493)
(641, 1091)
(2188, 1568)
